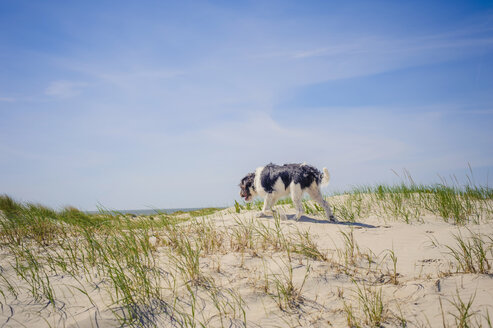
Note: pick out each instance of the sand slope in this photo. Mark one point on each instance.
(354, 267)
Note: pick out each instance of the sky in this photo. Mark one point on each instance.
(168, 104)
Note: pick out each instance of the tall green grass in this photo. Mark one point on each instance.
(406, 201)
(371, 311)
(152, 268)
(117, 251)
(410, 202)
(472, 254)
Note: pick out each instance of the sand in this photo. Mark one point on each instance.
(425, 289)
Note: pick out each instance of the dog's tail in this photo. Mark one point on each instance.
(325, 177)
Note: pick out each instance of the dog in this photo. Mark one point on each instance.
(273, 182)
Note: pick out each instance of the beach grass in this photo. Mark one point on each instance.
(406, 201)
(473, 253)
(165, 269)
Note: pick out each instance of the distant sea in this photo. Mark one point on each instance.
(149, 211)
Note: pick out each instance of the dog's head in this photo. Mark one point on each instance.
(247, 189)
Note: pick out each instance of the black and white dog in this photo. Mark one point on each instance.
(273, 182)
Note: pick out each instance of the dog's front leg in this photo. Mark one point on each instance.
(268, 202)
(296, 196)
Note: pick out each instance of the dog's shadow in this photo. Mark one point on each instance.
(311, 220)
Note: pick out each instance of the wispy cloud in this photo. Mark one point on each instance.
(130, 77)
(384, 45)
(7, 99)
(64, 89)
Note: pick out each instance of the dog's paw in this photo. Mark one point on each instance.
(261, 215)
(333, 219)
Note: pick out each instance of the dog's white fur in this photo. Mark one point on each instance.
(296, 192)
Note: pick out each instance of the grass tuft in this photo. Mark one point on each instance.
(473, 254)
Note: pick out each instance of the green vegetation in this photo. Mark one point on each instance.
(371, 310)
(287, 294)
(118, 254)
(406, 201)
(463, 311)
(199, 212)
(46, 244)
(473, 254)
(371, 302)
(409, 202)
(158, 270)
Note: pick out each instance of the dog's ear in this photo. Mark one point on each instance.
(245, 178)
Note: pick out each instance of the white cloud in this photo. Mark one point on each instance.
(133, 78)
(469, 37)
(332, 58)
(64, 89)
(260, 138)
(392, 46)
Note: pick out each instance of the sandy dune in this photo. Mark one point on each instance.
(352, 271)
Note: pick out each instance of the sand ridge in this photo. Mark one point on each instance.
(278, 272)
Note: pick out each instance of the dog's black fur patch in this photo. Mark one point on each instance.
(247, 183)
(302, 174)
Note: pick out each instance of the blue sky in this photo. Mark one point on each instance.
(138, 104)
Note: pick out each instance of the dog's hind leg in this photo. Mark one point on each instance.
(316, 195)
(296, 196)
